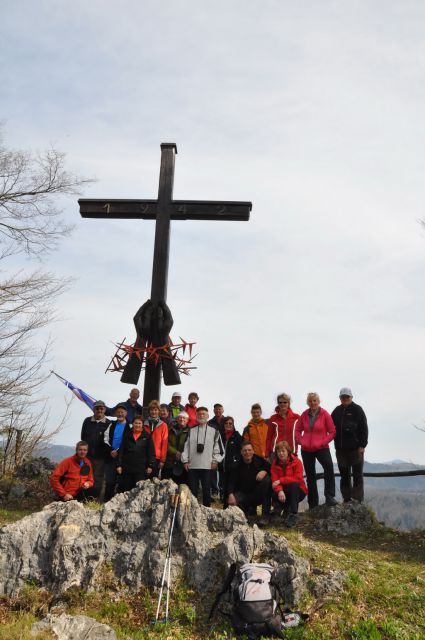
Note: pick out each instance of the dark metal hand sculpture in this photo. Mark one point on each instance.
(153, 323)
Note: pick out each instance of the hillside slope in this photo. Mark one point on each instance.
(383, 597)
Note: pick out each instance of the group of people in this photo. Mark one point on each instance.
(259, 466)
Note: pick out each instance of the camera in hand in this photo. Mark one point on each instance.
(199, 447)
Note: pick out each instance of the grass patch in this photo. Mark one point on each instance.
(93, 504)
(19, 628)
(384, 594)
(383, 597)
(7, 516)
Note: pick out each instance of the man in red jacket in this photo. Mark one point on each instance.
(74, 475)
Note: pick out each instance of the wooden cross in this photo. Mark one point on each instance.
(163, 210)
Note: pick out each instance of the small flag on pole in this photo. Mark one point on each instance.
(81, 395)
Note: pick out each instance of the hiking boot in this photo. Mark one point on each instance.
(291, 520)
(331, 502)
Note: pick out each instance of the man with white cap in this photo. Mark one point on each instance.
(350, 443)
(175, 405)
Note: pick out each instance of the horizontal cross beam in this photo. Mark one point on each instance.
(179, 209)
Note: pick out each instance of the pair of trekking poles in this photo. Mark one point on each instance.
(166, 574)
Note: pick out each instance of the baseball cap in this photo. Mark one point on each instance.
(99, 403)
(345, 391)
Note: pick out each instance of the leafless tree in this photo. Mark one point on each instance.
(26, 432)
(31, 222)
(26, 306)
(30, 187)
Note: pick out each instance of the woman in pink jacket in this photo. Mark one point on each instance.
(314, 431)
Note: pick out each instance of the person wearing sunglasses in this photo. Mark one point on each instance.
(282, 425)
(74, 475)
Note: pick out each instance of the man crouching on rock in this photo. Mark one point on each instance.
(250, 484)
(74, 475)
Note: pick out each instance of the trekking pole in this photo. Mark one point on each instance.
(168, 587)
(167, 566)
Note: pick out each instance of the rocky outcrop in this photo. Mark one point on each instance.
(66, 544)
(66, 627)
(344, 519)
(326, 584)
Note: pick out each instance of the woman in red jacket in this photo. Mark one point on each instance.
(282, 424)
(288, 481)
(314, 431)
(190, 408)
(159, 432)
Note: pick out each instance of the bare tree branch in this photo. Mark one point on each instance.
(30, 222)
(30, 215)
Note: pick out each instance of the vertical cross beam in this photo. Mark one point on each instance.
(152, 385)
(162, 210)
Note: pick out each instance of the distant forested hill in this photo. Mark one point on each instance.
(399, 502)
(56, 452)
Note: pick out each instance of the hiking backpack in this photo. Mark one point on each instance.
(255, 609)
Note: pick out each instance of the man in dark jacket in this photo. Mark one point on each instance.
(115, 436)
(350, 443)
(217, 477)
(250, 484)
(95, 432)
(232, 441)
(131, 405)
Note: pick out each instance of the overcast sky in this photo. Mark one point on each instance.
(314, 111)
